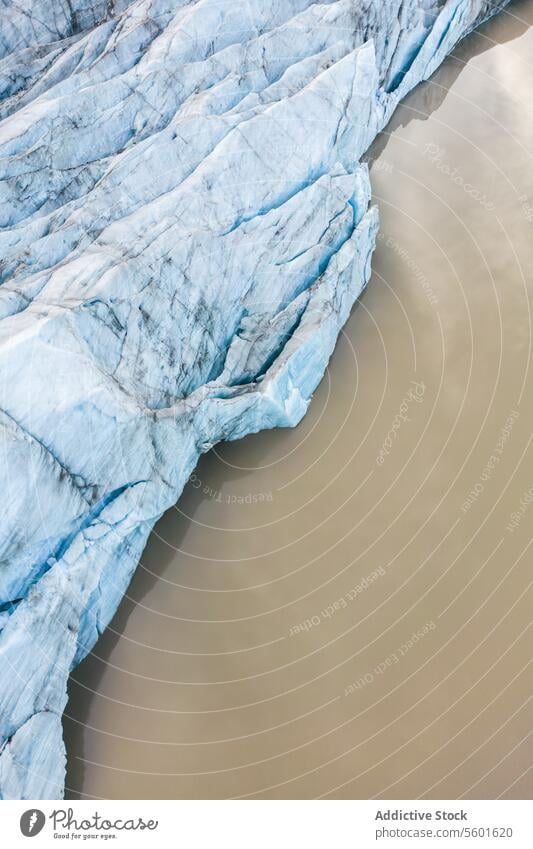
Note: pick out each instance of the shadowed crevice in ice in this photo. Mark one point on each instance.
(184, 227)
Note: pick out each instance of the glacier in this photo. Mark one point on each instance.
(185, 224)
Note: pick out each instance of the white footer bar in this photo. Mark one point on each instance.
(268, 824)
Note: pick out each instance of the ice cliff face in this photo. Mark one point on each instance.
(184, 227)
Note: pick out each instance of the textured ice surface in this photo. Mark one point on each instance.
(184, 228)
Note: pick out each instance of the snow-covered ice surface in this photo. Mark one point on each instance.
(184, 228)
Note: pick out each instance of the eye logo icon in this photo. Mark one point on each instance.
(32, 822)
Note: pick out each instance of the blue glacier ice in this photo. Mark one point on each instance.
(184, 227)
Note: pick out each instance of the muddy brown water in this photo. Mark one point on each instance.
(344, 610)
